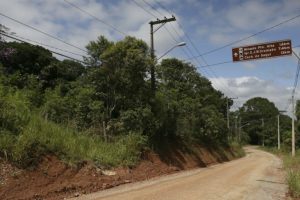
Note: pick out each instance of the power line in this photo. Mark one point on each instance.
(60, 54)
(46, 45)
(153, 7)
(147, 11)
(174, 38)
(96, 18)
(47, 34)
(197, 50)
(296, 79)
(228, 61)
(245, 38)
(290, 101)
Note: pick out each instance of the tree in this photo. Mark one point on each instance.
(190, 108)
(25, 58)
(261, 114)
(60, 73)
(96, 49)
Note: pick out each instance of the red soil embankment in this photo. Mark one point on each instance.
(52, 179)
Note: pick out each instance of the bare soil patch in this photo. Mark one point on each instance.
(53, 179)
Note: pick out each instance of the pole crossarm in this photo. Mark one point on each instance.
(162, 21)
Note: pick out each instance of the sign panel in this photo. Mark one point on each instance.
(263, 50)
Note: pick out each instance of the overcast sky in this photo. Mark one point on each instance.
(209, 24)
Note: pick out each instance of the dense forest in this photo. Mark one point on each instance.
(258, 119)
(103, 110)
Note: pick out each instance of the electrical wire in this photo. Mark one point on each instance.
(153, 8)
(245, 38)
(46, 45)
(147, 11)
(60, 54)
(40, 31)
(212, 73)
(96, 18)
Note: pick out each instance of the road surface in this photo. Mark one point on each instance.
(258, 176)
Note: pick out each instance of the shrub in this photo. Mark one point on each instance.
(7, 141)
(293, 180)
(42, 137)
(14, 108)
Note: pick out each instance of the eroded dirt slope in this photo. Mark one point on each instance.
(52, 179)
(258, 176)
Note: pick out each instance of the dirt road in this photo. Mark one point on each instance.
(258, 176)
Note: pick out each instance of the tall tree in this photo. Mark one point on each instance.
(261, 114)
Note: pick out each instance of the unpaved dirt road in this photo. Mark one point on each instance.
(258, 176)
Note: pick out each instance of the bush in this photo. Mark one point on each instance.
(14, 108)
(293, 180)
(7, 141)
(42, 137)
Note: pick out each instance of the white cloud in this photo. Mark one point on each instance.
(251, 14)
(61, 20)
(249, 65)
(248, 87)
(243, 18)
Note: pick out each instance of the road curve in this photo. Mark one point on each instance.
(257, 176)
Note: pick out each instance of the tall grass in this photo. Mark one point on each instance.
(237, 149)
(42, 137)
(292, 168)
(293, 181)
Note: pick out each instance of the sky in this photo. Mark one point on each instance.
(203, 24)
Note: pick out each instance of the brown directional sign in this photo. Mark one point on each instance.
(263, 50)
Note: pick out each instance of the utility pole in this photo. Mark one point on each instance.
(293, 126)
(227, 113)
(263, 124)
(293, 105)
(152, 31)
(278, 129)
(240, 129)
(236, 126)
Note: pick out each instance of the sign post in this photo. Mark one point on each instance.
(262, 50)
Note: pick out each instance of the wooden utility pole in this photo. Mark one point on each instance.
(227, 114)
(293, 105)
(152, 31)
(240, 129)
(278, 129)
(293, 126)
(262, 125)
(236, 129)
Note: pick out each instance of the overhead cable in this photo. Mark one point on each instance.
(43, 32)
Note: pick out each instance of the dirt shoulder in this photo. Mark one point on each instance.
(258, 176)
(52, 179)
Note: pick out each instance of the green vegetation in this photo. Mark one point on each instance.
(105, 111)
(258, 121)
(292, 168)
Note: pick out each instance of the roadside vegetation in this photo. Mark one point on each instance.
(103, 111)
(292, 168)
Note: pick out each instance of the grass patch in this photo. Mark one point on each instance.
(42, 137)
(293, 180)
(237, 149)
(292, 168)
